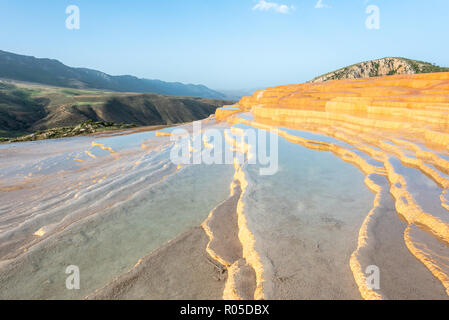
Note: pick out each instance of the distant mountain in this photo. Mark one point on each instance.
(55, 73)
(381, 67)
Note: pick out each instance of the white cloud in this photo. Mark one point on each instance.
(263, 5)
(321, 5)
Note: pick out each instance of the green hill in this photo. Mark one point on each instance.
(26, 108)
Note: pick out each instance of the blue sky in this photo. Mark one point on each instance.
(226, 44)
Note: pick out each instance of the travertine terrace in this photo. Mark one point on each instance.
(362, 180)
(395, 130)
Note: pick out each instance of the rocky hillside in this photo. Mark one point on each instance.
(381, 67)
(27, 108)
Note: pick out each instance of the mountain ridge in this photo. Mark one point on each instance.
(53, 72)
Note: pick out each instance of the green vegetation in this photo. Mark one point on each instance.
(5, 135)
(6, 86)
(74, 92)
(392, 72)
(84, 128)
(340, 74)
(374, 72)
(88, 103)
(28, 108)
(71, 92)
(425, 67)
(18, 109)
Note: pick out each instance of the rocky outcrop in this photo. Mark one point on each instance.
(380, 67)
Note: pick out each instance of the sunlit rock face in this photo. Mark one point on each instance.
(394, 130)
(380, 67)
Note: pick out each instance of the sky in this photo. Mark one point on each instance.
(226, 44)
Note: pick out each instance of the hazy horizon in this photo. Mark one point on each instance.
(233, 45)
